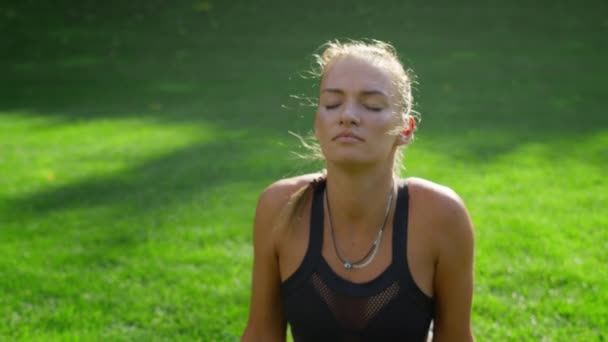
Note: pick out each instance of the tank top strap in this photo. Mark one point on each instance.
(400, 227)
(315, 240)
(317, 218)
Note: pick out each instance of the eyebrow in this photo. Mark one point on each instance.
(365, 92)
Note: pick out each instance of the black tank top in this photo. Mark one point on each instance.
(319, 305)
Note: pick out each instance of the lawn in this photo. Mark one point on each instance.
(135, 139)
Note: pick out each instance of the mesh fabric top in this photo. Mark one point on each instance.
(320, 305)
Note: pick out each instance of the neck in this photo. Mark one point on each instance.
(358, 199)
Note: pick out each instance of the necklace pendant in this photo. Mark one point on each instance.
(348, 265)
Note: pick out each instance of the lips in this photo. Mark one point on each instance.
(347, 137)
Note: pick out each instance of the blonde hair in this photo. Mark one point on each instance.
(380, 54)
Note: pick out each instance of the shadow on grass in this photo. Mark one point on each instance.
(538, 68)
(198, 171)
(513, 76)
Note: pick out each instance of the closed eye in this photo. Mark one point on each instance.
(333, 106)
(374, 108)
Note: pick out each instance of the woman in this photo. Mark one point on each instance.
(355, 253)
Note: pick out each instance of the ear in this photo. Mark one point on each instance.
(408, 131)
(404, 137)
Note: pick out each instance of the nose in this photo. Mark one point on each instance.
(349, 115)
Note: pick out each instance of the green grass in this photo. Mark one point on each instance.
(135, 139)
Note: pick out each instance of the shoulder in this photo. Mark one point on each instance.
(278, 199)
(434, 195)
(447, 224)
(275, 205)
(443, 209)
(277, 194)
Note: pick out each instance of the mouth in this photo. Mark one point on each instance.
(347, 137)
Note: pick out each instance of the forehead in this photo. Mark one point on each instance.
(355, 74)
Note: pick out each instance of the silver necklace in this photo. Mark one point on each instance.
(371, 254)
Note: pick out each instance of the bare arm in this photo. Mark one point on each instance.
(266, 321)
(454, 274)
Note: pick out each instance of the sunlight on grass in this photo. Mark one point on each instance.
(127, 198)
(539, 212)
(49, 152)
(538, 254)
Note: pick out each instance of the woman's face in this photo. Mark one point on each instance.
(356, 114)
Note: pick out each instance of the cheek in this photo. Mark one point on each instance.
(383, 123)
(322, 121)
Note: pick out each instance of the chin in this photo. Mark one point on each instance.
(350, 160)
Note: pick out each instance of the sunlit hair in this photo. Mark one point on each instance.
(382, 55)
